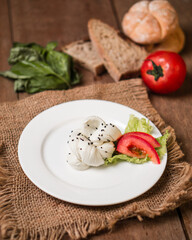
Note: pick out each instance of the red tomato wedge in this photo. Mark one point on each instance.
(150, 139)
(135, 146)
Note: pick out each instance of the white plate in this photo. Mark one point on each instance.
(42, 154)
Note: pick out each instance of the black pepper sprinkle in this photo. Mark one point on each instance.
(101, 135)
(77, 138)
(113, 126)
(88, 143)
(87, 125)
(69, 153)
(101, 147)
(102, 130)
(72, 140)
(82, 139)
(105, 151)
(80, 148)
(91, 143)
(102, 124)
(78, 134)
(96, 128)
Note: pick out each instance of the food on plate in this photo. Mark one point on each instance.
(136, 146)
(149, 138)
(163, 71)
(97, 143)
(121, 58)
(35, 68)
(140, 143)
(149, 22)
(173, 42)
(85, 55)
(92, 143)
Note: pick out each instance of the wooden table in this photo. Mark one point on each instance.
(42, 21)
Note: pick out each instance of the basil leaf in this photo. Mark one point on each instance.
(39, 83)
(36, 68)
(51, 46)
(10, 74)
(31, 69)
(60, 63)
(20, 85)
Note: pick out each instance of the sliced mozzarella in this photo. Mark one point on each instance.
(91, 125)
(105, 133)
(106, 149)
(90, 155)
(76, 163)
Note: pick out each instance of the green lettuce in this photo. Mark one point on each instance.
(163, 142)
(138, 125)
(122, 157)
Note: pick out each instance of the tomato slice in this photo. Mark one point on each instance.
(135, 146)
(145, 136)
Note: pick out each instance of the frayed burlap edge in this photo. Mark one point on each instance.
(183, 193)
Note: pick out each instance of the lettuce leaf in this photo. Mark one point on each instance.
(138, 125)
(163, 142)
(122, 157)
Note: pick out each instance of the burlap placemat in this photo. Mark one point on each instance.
(28, 212)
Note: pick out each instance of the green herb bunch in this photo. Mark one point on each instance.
(35, 68)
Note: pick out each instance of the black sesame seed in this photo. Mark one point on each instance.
(69, 135)
(113, 126)
(102, 124)
(101, 135)
(78, 134)
(87, 125)
(72, 140)
(99, 138)
(82, 139)
(105, 151)
(77, 138)
(71, 131)
(101, 147)
(88, 143)
(91, 143)
(69, 153)
(96, 128)
(102, 130)
(67, 141)
(80, 148)
(91, 134)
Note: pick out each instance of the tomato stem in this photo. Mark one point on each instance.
(157, 71)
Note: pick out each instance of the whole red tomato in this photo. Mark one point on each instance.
(163, 71)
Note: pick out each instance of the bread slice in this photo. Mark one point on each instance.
(85, 55)
(121, 58)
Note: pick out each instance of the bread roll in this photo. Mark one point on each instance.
(174, 42)
(149, 22)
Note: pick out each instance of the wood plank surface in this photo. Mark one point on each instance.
(6, 86)
(42, 21)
